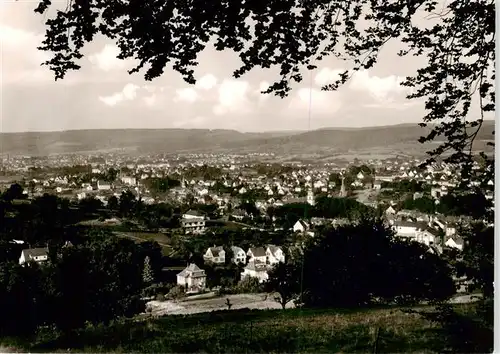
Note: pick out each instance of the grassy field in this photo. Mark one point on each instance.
(273, 331)
(162, 239)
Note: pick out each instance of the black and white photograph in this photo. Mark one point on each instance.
(247, 176)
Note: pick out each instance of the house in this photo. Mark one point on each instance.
(257, 254)
(238, 214)
(256, 270)
(408, 229)
(239, 255)
(17, 242)
(215, 255)
(192, 214)
(81, 195)
(450, 229)
(193, 226)
(131, 181)
(103, 185)
(274, 255)
(455, 242)
(300, 226)
(192, 278)
(34, 254)
(193, 222)
(428, 237)
(340, 222)
(320, 221)
(390, 211)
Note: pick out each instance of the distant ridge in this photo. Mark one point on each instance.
(321, 141)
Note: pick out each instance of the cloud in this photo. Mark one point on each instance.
(150, 100)
(264, 85)
(382, 89)
(206, 82)
(232, 97)
(327, 76)
(128, 93)
(106, 59)
(187, 94)
(320, 102)
(21, 60)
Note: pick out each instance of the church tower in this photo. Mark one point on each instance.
(310, 197)
(342, 188)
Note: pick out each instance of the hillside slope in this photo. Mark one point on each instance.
(146, 141)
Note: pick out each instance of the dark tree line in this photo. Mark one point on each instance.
(324, 207)
(95, 281)
(360, 265)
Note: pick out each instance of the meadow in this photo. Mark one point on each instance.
(382, 330)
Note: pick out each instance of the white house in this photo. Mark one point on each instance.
(450, 229)
(300, 226)
(192, 278)
(390, 211)
(193, 222)
(193, 226)
(274, 255)
(239, 255)
(81, 195)
(256, 270)
(408, 229)
(455, 242)
(257, 254)
(131, 181)
(103, 185)
(428, 237)
(34, 254)
(215, 255)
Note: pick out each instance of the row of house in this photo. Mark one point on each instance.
(260, 261)
(269, 255)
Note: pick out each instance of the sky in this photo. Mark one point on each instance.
(102, 95)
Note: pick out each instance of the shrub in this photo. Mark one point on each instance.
(155, 289)
(177, 292)
(248, 285)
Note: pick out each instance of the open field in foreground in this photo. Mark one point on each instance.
(212, 303)
(277, 331)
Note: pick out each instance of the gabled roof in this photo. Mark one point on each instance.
(193, 213)
(273, 249)
(216, 250)
(303, 223)
(256, 266)
(432, 231)
(239, 212)
(258, 251)
(418, 225)
(31, 253)
(458, 239)
(237, 249)
(192, 270)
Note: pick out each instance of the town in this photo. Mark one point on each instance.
(189, 201)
